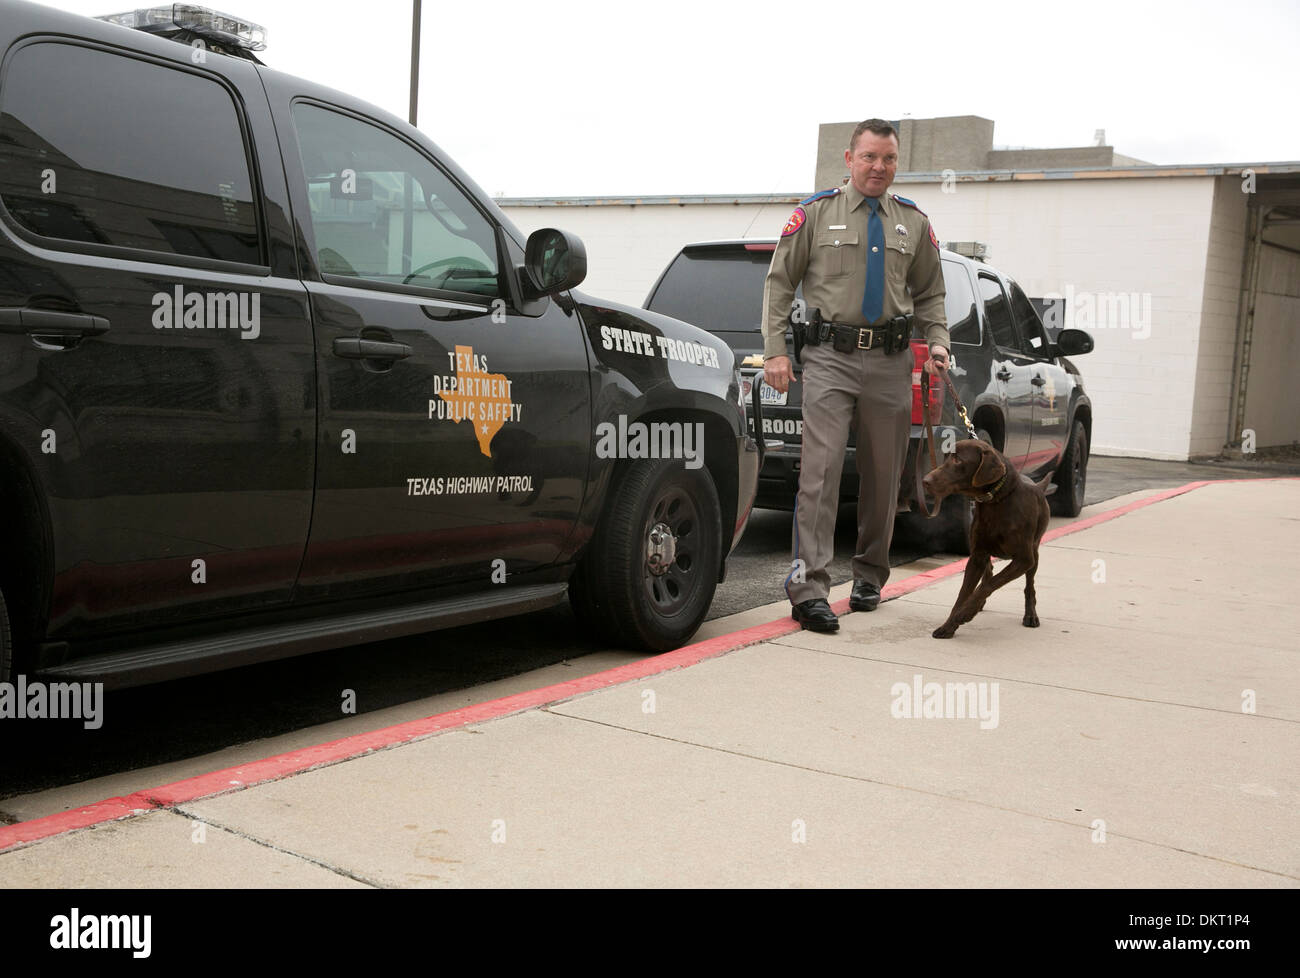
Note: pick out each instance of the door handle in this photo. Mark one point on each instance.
(54, 322)
(1038, 380)
(356, 348)
(1003, 373)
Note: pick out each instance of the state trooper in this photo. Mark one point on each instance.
(869, 265)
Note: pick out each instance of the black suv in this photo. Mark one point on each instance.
(1020, 392)
(277, 376)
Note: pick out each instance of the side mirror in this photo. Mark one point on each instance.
(554, 261)
(1072, 342)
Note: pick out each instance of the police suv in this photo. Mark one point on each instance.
(278, 377)
(1020, 391)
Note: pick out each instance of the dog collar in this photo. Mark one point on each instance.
(988, 496)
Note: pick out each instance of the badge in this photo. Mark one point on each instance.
(901, 230)
(795, 222)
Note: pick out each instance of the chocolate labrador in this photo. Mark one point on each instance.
(1011, 516)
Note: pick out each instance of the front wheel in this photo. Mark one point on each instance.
(1071, 476)
(649, 574)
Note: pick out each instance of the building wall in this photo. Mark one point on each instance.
(1082, 157)
(1272, 395)
(1215, 348)
(628, 246)
(1130, 254)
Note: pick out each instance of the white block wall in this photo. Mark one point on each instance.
(1135, 239)
(1097, 242)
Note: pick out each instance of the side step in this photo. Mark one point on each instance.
(192, 657)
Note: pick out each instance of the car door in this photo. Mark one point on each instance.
(152, 329)
(454, 430)
(1013, 369)
(1050, 387)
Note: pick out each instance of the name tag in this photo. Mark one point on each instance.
(837, 227)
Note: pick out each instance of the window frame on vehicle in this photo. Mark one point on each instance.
(146, 255)
(1044, 352)
(298, 178)
(977, 305)
(991, 276)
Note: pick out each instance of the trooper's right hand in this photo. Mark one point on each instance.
(778, 373)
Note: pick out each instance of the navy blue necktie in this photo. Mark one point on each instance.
(873, 299)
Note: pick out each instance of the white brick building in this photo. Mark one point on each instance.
(1154, 260)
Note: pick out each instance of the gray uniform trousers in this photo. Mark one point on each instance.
(876, 390)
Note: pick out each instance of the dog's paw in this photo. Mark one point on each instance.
(1030, 621)
(943, 631)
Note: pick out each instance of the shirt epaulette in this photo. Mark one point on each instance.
(820, 194)
(909, 203)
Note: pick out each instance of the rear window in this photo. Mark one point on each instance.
(718, 289)
(109, 150)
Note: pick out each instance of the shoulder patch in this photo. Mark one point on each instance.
(795, 222)
(933, 240)
(909, 203)
(819, 195)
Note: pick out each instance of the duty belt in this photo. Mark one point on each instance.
(893, 336)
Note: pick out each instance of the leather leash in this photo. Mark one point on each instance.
(929, 437)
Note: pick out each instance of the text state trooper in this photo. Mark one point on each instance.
(864, 259)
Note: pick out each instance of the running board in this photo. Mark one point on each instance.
(192, 657)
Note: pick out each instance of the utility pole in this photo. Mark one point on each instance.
(415, 58)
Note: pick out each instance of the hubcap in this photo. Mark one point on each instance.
(661, 549)
(672, 537)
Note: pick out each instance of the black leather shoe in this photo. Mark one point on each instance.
(865, 597)
(815, 615)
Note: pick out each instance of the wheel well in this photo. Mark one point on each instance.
(1084, 413)
(991, 421)
(25, 569)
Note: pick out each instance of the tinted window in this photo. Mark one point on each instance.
(381, 210)
(99, 148)
(1031, 328)
(998, 313)
(959, 306)
(718, 289)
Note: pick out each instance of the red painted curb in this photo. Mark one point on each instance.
(304, 759)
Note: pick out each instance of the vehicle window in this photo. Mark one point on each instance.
(380, 210)
(718, 289)
(1031, 327)
(109, 150)
(959, 306)
(998, 313)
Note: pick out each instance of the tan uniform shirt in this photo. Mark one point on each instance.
(828, 254)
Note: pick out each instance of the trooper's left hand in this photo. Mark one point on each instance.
(938, 362)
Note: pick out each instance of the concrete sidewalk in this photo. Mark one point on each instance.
(1119, 753)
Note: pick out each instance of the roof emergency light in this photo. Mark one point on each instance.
(235, 31)
(977, 250)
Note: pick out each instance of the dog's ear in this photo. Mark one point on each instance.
(991, 469)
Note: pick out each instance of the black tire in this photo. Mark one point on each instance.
(649, 574)
(1071, 475)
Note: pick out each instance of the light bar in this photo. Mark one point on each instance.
(969, 249)
(183, 16)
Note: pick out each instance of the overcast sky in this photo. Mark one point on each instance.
(612, 98)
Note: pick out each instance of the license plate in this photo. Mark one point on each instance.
(770, 395)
